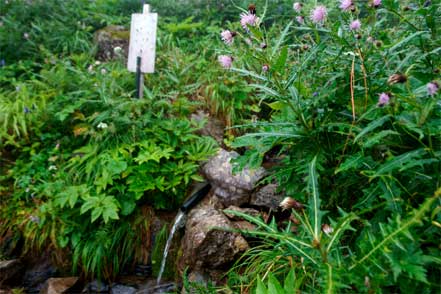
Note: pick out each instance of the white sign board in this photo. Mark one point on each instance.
(143, 40)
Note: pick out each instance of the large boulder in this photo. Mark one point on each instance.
(249, 211)
(267, 196)
(112, 42)
(208, 242)
(231, 189)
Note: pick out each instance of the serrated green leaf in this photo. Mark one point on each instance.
(351, 162)
(372, 126)
(279, 64)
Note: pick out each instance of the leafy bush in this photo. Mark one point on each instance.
(84, 159)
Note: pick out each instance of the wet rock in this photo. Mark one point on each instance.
(122, 289)
(58, 285)
(231, 189)
(10, 271)
(267, 196)
(152, 288)
(96, 287)
(112, 42)
(213, 127)
(249, 211)
(206, 243)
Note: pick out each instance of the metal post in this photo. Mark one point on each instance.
(139, 78)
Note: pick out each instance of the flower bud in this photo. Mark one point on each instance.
(252, 8)
(289, 203)
(396, 79)
(327, 229)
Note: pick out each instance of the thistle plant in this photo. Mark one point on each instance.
(328, 101)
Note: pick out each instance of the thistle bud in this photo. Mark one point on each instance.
(327, 229)
(289, 203)
(397, 79)
(252, 8)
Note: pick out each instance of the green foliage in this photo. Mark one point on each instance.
(378, 164)
(84, 159)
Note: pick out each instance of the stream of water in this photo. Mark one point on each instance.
(178, 220)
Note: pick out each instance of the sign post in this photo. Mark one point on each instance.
(142, 47)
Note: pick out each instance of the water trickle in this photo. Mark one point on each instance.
(178, 220)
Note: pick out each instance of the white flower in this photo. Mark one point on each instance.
(117, 50)
(52, 167)
(102, 125)
(327, 229)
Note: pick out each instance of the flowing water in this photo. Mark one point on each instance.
(178, 220)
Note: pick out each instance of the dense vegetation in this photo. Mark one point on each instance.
(344, 95)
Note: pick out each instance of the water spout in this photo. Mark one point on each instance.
(195, 198)
(180, 217)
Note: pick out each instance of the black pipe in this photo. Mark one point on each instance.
(195, 198)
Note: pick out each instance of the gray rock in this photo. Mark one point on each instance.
(10, 270)
(152, 288)
(267, 196)
(112, 42)
(231, 189)
(244, 226)
(206, 244)
(96, 287)
(122, 289)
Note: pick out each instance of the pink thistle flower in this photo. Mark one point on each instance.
(225, 61)
(248, 19)
(319, 14)
(265, 67)
(376, 3)
(300, 19)
(345, 5)
(297, 6)
(228, 37)
(355, 25)
(383, 99)
(432, 88)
